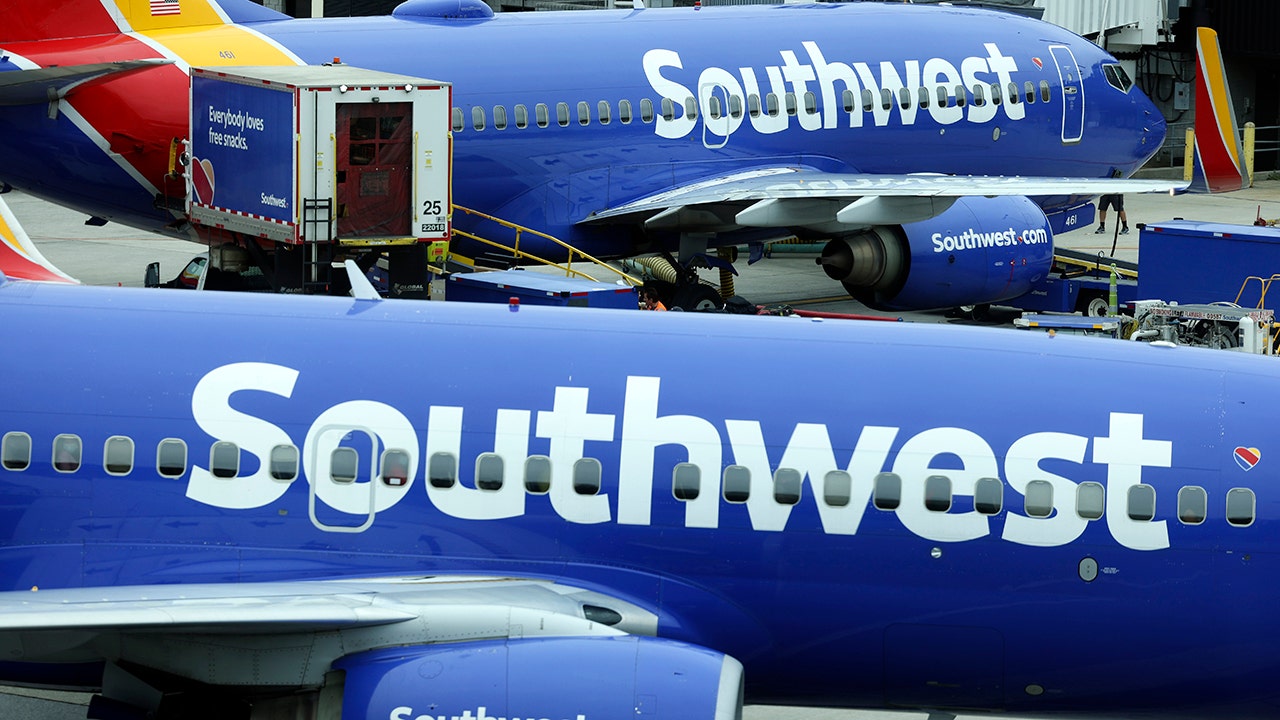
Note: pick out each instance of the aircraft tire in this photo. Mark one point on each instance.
(697, 298)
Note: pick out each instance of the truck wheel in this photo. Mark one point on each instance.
(1094, 306)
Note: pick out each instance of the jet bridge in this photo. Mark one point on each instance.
(304, 166)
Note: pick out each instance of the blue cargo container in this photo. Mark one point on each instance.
(1202, 262)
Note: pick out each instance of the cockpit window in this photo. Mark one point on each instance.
(1118, 78)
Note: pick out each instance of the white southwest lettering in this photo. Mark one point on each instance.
(972, 239)
(829, 80)
(568, 426)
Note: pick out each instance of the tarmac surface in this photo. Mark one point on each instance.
(115, 255)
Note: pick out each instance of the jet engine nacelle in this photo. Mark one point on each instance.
(981, 250)
(568, 677)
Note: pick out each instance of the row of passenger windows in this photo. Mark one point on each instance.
(686, 479)
(756, 105)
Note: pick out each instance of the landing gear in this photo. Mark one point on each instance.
(696, 297)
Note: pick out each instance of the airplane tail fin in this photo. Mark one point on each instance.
(38, 20)
(19, 258)
(1219, 158)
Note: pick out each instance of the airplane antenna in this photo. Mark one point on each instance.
(361, 288)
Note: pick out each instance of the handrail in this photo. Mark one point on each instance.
(1265, 285)
(520, 254)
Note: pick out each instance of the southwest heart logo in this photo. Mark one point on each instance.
(1038, 62)
(1247, 457)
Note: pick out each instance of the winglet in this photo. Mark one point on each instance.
(1219, 158)
(19, 258)
(361, 288)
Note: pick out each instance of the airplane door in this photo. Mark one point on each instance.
(343, 475)
(715, 123)
(1072, 93)
(374, 168)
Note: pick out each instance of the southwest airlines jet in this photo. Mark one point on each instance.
(232, 506)
(909, 139)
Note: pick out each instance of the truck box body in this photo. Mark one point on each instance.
(300, 154)
(1201, 262)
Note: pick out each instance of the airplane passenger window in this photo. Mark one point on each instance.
(904, 98)
(522, 116)
(586, 476)
(886, 99)
(668, 109)
(646, 111)
(937, 493)
(1142, 502)
(1039, 499)
(786, 486)
(690, 107)
(790, 100)
(837, 488)
(988, 496)
(15, 451)
(541, 115)
(499, 117)
(979, 95)
(1014, 97)
(624, 112)
(605, 114)
(942, 97)
(67, 452)
(171, 458)
(1240, 507)
(735, 106)
(753, 105)
(537, 474)
(737, 484)
(1193, 505)
(489, 471)
(343, 464)
(1030, 89)
(924, 97)
(867, 99)
(457, 119)
(961, 96)
(477, 118)
(1044, 90)
(224, 459)
(1091, 500)
(996, 96)
(584, 113)
(117, 455)
(686, 481)
(713, 107)
(771, 105)
(442, 470)
(846, 99)
(562, 114)
(284, 463)
(886, 492)
(810, 103)
(394, 468)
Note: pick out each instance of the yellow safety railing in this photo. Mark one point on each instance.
(522, 255)
(1265, 284)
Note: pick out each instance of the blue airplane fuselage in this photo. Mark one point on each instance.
(825, 597)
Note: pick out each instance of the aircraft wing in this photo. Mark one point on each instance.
(40, 85)
(316, 621)
(798, 196)
(19, 258)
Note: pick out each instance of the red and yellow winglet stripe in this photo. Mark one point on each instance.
(1218, 151)
(19, 258)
